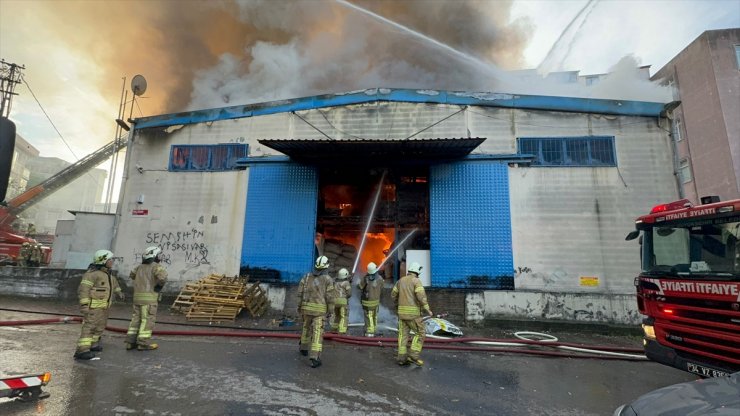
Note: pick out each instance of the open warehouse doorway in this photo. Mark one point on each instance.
(388, 206)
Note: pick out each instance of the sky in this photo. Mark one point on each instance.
(204, 54)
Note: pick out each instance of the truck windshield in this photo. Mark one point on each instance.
(710, 250)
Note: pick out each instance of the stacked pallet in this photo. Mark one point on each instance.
(214, 298)
(340, 255)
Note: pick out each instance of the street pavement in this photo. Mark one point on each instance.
(263, 376)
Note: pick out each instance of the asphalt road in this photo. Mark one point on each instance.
(245, 376)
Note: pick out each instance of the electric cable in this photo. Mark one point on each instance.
(315, 128)
(55, 127)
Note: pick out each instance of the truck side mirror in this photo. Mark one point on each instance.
(632, 235)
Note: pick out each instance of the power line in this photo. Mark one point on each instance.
(55, 128)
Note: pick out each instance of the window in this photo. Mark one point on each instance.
(684, 170)
(199, 158)
(570, 151)
(677, 130)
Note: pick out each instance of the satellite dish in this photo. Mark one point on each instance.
(138, 84)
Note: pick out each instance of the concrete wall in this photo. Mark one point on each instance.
(706, 77)
(567, 223)
(196, 217)
(40, 282)
(92, 232)
(543, 306)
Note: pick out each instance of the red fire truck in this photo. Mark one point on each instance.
(689, 287)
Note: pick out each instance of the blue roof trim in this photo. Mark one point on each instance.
(534, 102)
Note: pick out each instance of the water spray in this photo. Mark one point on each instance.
(369, 221)
(477, 62)
(396, 248)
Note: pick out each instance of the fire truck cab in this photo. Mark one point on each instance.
(689, 286)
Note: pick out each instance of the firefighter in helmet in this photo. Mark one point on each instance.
(35, 256)
(371, 286)
(315, 300)
(24, 254)
(343, 291)
(95, 292)
(409, 296)
(148, 278)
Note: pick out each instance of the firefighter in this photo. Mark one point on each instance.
(409, 296)
(24, 254)
(149, 278)
(96, 296)
(371, 286)
(34, 258)
(31, 230)
(315, 300)
(343, 291)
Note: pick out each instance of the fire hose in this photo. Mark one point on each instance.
(490, 345)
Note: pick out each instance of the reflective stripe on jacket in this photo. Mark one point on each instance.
(145, 278)
(316, 293)
(371, 289)
(409, 295)
(96, 288)
(343, 291)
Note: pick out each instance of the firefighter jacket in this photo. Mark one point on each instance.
(36, 254)
(148, 280)
(316, 293)
(343, 291)
(371, 285)
(97, 288)
(409, 295)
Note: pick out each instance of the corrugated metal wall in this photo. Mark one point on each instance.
(471, 225)
(280, 221)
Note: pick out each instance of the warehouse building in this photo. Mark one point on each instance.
(516, 205)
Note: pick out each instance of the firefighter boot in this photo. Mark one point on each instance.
(315, 362)
(130, 346)
(419, 362)
(148, 347)
(87, 355)
(96, 348)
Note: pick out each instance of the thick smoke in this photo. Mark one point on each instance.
(329, 47)
(202, 54)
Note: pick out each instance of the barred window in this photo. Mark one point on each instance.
(570, 151)
(200, 158)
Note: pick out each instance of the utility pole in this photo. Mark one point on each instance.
(10, 76)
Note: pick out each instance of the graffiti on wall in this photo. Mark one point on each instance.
(186, 243)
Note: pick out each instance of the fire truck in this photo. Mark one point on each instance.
(10, 242)
(689, 286)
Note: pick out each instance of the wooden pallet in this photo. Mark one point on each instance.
(214, 298)
(255, 300)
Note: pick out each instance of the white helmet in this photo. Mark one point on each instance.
(102, 256)
(372, 268)
(415, 268)
(152, 252)
(322, 262)
(343, 274)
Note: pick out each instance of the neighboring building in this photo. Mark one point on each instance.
(705, 77)
(82, 194)
(521, 201)
(19, 171)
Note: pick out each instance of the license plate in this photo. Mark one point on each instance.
(705, 371)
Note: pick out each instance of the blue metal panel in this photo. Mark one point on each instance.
(280, 223)
(535, 102)
(471, 225)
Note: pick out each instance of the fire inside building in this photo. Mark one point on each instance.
(496, 195)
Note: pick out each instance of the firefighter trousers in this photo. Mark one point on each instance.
(339, 321)
(404, 328)
(142, 324)
(312, 335)
(371, 318)
(93, 325)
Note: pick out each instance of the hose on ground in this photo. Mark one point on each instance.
(489, 345)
